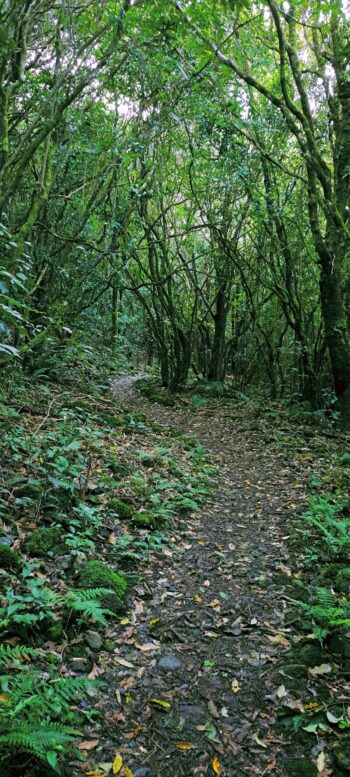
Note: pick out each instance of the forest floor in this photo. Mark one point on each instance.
(210, 665)
(213, 669)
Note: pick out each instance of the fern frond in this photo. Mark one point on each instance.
(16, 655)
(87, 601)
(38, 739)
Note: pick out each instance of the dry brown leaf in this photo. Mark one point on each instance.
(295, 705)
(279, 639)
(212, 708)
(147, 646)
(88, 744)
(123, 662)
(95, 672)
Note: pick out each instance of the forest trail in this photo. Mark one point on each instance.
(210, 619)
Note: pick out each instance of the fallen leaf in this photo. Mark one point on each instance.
(164, 704)
(198, 598)
(294, 705)
(216, 765)
(321, 761)
(154, 621)
(184, 745)
(127, 772)
(212, 708)
(259, 741)
(117, 763)
(133, 733)
(281, 692)
(124, 621)
(123, 662)
(95, 672)
(95, 773)
(319, 670)
(147, 646)
(279, 639)
(234, 686)
(88, 745)
(329, 715)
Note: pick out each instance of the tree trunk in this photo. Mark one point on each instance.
(337, 336)
(217, 365)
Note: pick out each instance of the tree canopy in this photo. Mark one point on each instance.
(175, 183)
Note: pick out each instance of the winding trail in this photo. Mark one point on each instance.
(212, 621)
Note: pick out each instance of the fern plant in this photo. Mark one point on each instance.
(87, 602)
(326, 516)
(328, 612)
(14, 657)
(35, 715)
(35, 603)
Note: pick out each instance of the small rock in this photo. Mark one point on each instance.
(142, 772)
(64, 562)
(193, 712)
(169, 663)
(79, 664)
(94, 640)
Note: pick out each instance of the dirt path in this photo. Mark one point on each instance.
(210, 622)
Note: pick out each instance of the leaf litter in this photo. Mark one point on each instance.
(217, 601)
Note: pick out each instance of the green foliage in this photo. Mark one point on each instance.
(130, 549)
(9, 559)
(87, 603)
(96, 574)
(328, 611)
(35, 717)
(326, 516)
(145, 519)
(120, 507)
(328, 607)
(43, 541)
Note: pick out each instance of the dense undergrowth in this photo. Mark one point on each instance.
(88, 491)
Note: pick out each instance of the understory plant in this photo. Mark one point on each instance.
(328, 522)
